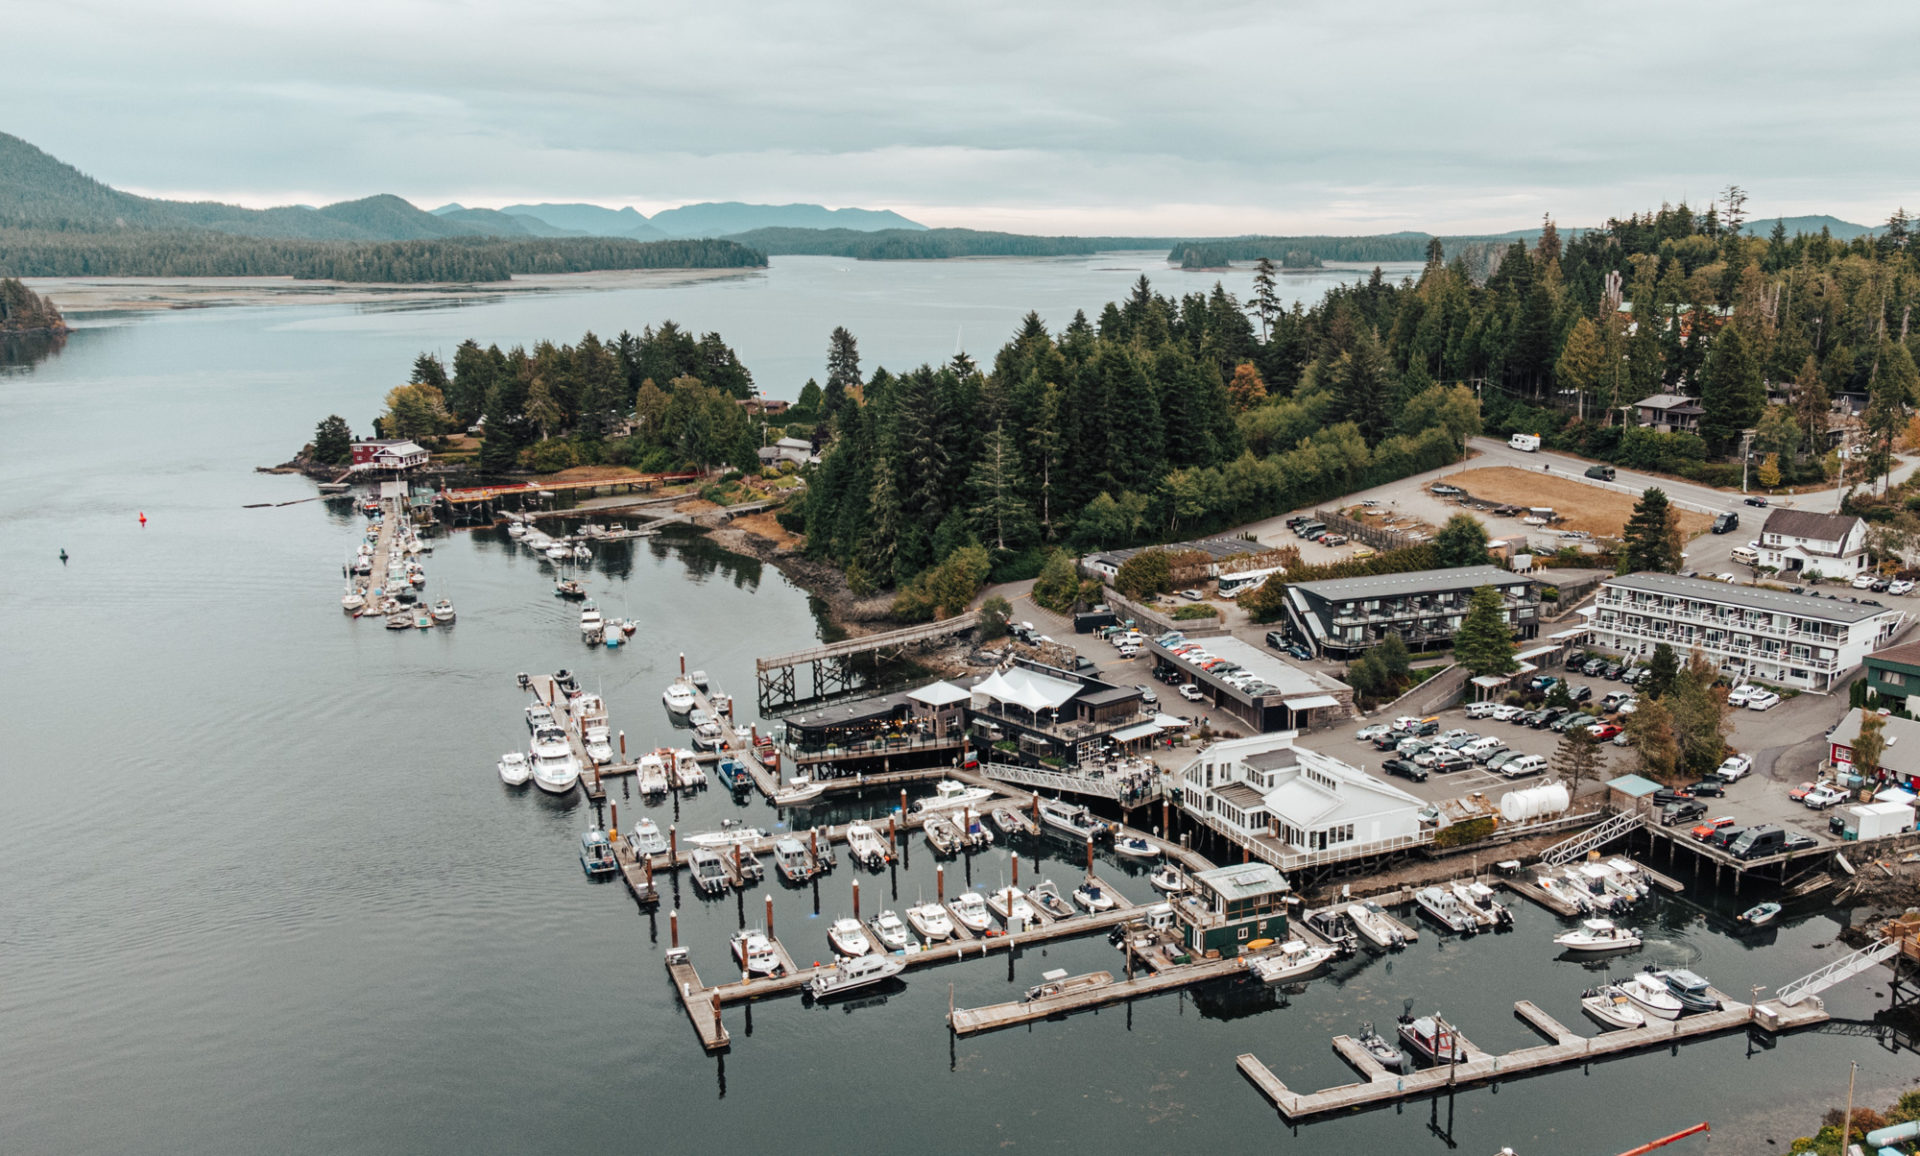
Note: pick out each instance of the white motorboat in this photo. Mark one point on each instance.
(848, 974)
(686, 768)
(539, 714)
(1432, 1040)
(1013, 909)
(1555, 886)
(791, 859)
(645, 838)
(799, 789)
(1760, 914)
(975, 831)
(1293, 960)
(849, 938)
(1135, 847)
(653, 774)
(930, 920)
(599, 747)
(708, 870)
(1651, 996)
(1610, 1007)
(1047, 898)
(971, 910)
(1093, 897)
(1373, 924)
(731, 831)
(352, 600)
(1012, 822)
(1071, 819)
(516, 529)
(443, 611)
(581, 553)
(1445, 909)
(866, 846)
(949, 794)
(942, 835)
(678, 697)
(890, 931)
(555, 769)
(700, 680)
(558, 552)
(1598, 935)
(592, 626)
(754, 952)
(514, 771)
(1478, 899)
(1168, 879)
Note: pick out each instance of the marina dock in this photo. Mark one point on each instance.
(970, 1021)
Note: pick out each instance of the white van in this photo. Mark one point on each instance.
(1746, 556)
(1524, 765)
(1528, 442)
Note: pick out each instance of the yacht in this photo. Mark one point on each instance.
(652, 774)
(1610, 1007)
(1373, 924)
(599, 747)
(596, 854)
(352, 600)
(1013, 909)
(971, 911)
(865, 846)
(754, 952)
(891, 932)
(1445, 909)
(1071, 819)
(1093, 897)
(555, 769)
(1693, 990)
(709, 872)
(949, 794)
(847, 974)
(1294, 959)
(849, 938)
(931, 921)
(678, 697)
(731, 831)
(592, 626)
(645, 838)
(514, 771)
(1598, 935)
(1478, 899)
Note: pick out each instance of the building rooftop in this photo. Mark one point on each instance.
(1244, 881)
(1218, 547)
(1901, 753)
(1808, 524)
(1634, 786)
(1284, 677)
(1750, 597)
(1906, 654)
(1411, 582)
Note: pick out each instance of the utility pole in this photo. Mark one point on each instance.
(1846, 1122)
(1746, 452)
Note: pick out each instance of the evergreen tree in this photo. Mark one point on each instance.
(1699, 716)
(333, 442)
(1393, 657)
(428, 370)
(843, 370)
(1652, 536)
(1461, 542)
(1363, 382)
(1662, 669)
(1484, 642)
(1650, 731)
(1576, 758)
(1582, 362)
(1811, 407)
(1732, 393)
(999, 513)
(1266, 299)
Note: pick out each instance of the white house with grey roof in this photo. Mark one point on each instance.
(1748, 632)
(1345, 617)
(1293, 806)
(1801, 542)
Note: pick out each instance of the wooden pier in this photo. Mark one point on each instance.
(831, 664)
(1568, 1047)
(703, 1008)
(970, 1021)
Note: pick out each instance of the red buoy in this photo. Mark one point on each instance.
(143, 517)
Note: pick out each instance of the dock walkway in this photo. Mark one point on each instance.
(969, 1021)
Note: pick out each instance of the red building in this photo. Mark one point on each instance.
(387, 454)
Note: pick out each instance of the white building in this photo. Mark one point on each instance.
(1789, 639)
(1801, 542)
(1294, 806)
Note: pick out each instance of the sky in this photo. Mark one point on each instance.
(1115, 117)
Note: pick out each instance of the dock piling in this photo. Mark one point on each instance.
(613, 828)
(673, 843)
(1016, 868)
(856, 899)
(673, 926)
(1089, 858)
(769, 917)
(940, 883)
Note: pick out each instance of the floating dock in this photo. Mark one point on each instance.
(969, 1021)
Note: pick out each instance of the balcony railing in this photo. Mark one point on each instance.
(1763, 623)
(1722, 646)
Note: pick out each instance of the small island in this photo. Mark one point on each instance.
(23, 311)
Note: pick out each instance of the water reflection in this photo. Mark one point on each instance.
(20, 352)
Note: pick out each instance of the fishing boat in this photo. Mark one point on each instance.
(1093, 897)
(1135, 847)
(1071, 819)
(949, 795)
(1382, 1050)
(1374, 925)
(1058, 982)
(754, 952)
(799, 789)
(708, 871)
(1594, 935)
(645, 838)
(1610, 1007)
(443, 611)
(971, 910)
(596, 854)
(678, 697)
(352, 600)
(1651, 996)
(1444, 909)
(942, 835)
(1558, 888)
(1013, 909)
(555, 769)
(849, 974)
(731, 831)
(1012, 822)
(1168, 879)
(1477, 897)
(865, 846)
(1691, 989)
(1047, 898)
(1760, 914)
(653, 774)
(791, 859)
(930, 920)
(1294, 959)
(848, 937)
(514, 771)
(1432, 1040)
(891, 932)
(734, 774)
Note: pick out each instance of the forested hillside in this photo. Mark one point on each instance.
(930, 244)
(24, 311)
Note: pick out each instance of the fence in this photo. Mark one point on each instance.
(1379, 537)
(1160, 623)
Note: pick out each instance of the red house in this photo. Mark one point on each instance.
(387, 454)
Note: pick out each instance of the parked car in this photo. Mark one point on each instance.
(1603, 731)
(1798, 841)
(1765, 700)
(1147, 696)
(1667, 795)
(1612, 671)
(1300, 652)
(1593, 666)
(1190, 692)
(1612, 702)
(1820, 798)
(1705, 830)
(1712, 787)
(1427, 726)
(1685, 811)
(1543, 683)
(1549, 716)
(1481, 710)
(1579, 694)
(1725, 837)
(1480, 750)
(1862, 582)
(1567, 722)
(1733, 768)
(1759, 842)
(1500, 759)
(1368, 734)
(1405, 769)
(1449, 761)
(1524, 765)
(1506, 712)
(1900, 586)
(1527, 718)
(1192, 595)
(1739, 695)
(1800, 792)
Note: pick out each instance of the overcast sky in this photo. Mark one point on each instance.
(1100, 117)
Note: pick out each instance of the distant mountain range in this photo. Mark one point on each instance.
(707, 219)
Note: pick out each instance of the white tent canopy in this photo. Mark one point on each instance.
(1023, 688)
(939, 694)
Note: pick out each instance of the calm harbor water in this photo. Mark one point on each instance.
(265, 892)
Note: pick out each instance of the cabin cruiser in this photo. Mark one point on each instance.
(949, 794)
(1071, 819)
(653, 774)
(1445, 910)
(1598, 935)
(596, 854)
(678, 697)
(1373, 924)
(791, 859)
(1693, 991)
(514, 771)
(1093, 897)
(848, 937)
(865, 846)
(971, 910)
(591, 624)
(1431, 1040)
(1478, 899)
(1047, 898)
(1610, 1007)
(941, 835)
(599, 747)
(891, 932)
(754, 952)
(686, 768)
(1135, 847)
(848, 974)
(443, 610)
(731, 831)
(1651, 996)
(645, 838)
(1382, 1051)
(1013, 909)
(1168, 879)
(931, 921)
(555, 769)
(708, 870)
(1295, 959)
(799, 789)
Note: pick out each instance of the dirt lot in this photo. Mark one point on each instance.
(1599, 512)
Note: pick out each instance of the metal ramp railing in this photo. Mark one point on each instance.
(1105, 788)
(1839, 971)
(1569, 850)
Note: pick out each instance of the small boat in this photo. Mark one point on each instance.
(557, 552)
(754, 952)
(975, 831)
(799, 789)
(849, 938)
(334, 487)
(748, 864)
(1135, 847)
(1760, 914)
(582, 554)
(514, 771)
(568, 684)
(539, 714)
(1651, 996)
(1692, 990)
(1093, 897)
(731, 831)
(352, 600)
(1559, 889)
(1445, 910)
(1610, 1007)
(678, 697)
(791, 859)
(1012, 822)
(942, 835)
(596, 854)
(516, 529)
(1071, 819)
(1295, 959)
(399, 622)
(1431, 1040)
(1478, 900)
(599, 747)
(971, 910)
(443, 611)
(949, 794)
(1382, 1050)
(1373, 924)
(653, 774)
(1047, 898)
(891, 932)
(735, 775)
(686, 770)
(847, 974)
(1598, 935)
(930, 920)
(865, 846)
(645, 838)
(628, 626)
(709, 872)
(1057, 982)
(568, 588)
(1168, 879)
(700, 680)
(1013, 909)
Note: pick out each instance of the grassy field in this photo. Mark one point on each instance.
(1602, 513)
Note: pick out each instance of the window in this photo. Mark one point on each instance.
(1893, 678)
(1241, 934)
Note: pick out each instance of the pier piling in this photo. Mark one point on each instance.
(856, 899)
(769, 917)
(673, 927)
(940, 883)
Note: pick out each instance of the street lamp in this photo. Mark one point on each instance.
(1746, 452)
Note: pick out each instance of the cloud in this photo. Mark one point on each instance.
(1075, 117)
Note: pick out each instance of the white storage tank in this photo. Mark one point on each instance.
(1534, 803)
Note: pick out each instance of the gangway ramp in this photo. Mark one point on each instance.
(1593, 838)
(1839, 971)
